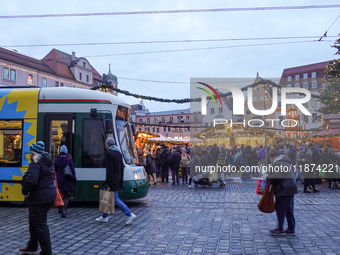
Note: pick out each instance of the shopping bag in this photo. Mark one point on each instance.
(266, 203)
(261, 185)
(58, 202)
(107, 201)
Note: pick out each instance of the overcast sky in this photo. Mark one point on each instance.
(268, 60)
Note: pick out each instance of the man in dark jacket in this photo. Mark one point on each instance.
(292, 153)
(246, 162)
(214, 154)
(175, 160)
(114, 178)
(163, 160)
(284, 190)
(40, 192)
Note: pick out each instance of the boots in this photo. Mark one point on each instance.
(315, 189)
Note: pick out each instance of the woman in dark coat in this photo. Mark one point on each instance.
(284, 190)
(65, 183)
(331, 160)
(40, 192)
(150, 167)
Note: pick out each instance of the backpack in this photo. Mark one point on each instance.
(185, 159)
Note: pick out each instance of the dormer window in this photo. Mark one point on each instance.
(84, 64)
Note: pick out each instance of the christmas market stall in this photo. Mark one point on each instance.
(142, 136)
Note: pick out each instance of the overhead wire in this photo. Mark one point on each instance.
(271, 8)
(325, 34)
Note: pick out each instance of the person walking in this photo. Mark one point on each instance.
(175, 160)
(38, 187)
(150, 167)
(114, 179)
(66, 183)
(185, 162)
(284, 188)
(157, 163)
(163, 158)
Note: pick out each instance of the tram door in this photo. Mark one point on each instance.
(59, 130)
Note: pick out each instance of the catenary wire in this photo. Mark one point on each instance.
(271, 8)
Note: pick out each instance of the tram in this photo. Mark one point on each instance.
(78, 118)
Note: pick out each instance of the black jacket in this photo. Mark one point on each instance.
(114, 169)
(292, 155)
(38, 183)
(283, 182)
(206, 159)
(163, 158)
(247, 156)
(175, 160)
(150, 166)
(214, 154)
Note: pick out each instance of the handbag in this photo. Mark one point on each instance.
(58, 202)
(107, 201)
(266, 203)
(67, 172)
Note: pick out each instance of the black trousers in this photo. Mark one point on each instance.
(39, 232)
(284, 207)
(165, 173)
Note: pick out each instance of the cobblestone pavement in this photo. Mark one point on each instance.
(179, 220)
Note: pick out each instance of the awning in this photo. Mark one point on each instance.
(326, 132)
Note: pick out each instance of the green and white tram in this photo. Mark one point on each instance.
(78, 118)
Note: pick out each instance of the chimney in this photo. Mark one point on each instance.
(73, 56)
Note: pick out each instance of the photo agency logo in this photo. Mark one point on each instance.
(286, 96)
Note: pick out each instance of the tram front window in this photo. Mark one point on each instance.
(126, 142)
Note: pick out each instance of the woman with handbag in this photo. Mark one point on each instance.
(66, 177)
(284, 188)
(39, 190)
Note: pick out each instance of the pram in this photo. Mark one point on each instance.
(207, 179)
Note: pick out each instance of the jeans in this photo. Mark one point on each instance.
(39, 231)
(284, 207)
(121, 205)
(184, 174)
(158, 170)
(175, 176)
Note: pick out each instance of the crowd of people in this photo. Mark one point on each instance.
(311, 164)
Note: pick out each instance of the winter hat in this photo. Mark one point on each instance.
(302, 147)
(38, 147)
(64, 149)
(110, 141)
(336, 150)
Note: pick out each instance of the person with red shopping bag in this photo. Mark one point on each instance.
(114, 179)
(281, 177)
(39, 190)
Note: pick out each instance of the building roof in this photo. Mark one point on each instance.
(326, 132)
(23, 60)
(305, 68)
(171, 112)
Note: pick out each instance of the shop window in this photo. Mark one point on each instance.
(6, 73)
(30, 79)
(11, 143)
(44, 82)
(13, 75)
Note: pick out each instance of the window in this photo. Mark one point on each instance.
(125, 139)
(164, 129)
(139, 129)
(248, 112)
(297, 76)
(314, 84)
(30, 79)
(297, 85)
(212, 110)
(13, 75)
(6, 73)
(314, 102)
(313, 74)
(56, 84)
(84, 64)
(80, 76)
(258, 89)
(220, 110)
(195, 118)
(289, 85)
(153, 129)
(314, 116)
(281, 118)
(305, 119)
(289, 78)
(305, 75)
(171, 119)
(261, 98)
(61, 84)
(206, 124)
(169, 129)
(187, 118)
(148, 121)
(305, 85)
(155, 120)
(93, 143)
(145, 129)
(211, 123)
(254, 98)
(11, 144)
(87, 78)
(44, 82)
(140, 120)
(157, 129)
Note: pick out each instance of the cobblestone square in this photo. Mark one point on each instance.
(179, 220)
